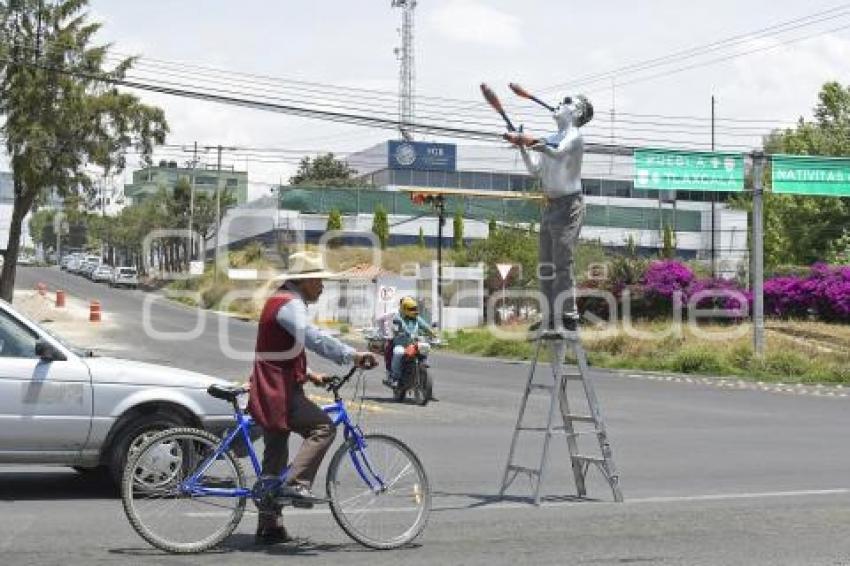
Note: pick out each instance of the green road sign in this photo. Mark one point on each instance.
(808, 175)
(688, 170)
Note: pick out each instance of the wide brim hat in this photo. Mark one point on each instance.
(306, 265)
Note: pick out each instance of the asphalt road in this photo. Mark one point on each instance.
(711, 474)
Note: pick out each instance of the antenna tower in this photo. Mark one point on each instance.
(407, 75)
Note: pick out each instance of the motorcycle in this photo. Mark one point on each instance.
(415, 377)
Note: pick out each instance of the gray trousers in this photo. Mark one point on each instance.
(311, 423)
(559, 232)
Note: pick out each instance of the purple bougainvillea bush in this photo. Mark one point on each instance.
(661, 283)
(830, 287)
(825, 292)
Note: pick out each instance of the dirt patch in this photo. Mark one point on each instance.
(70, 323)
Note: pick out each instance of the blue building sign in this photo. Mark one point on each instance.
(422, 156)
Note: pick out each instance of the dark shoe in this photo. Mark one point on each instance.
(570, 323)
(535, 326)
(271, 535)
(299, 496)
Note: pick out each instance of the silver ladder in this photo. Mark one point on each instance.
(557, 343)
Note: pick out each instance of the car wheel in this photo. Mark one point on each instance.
(135, 433)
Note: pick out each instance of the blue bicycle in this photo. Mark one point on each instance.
(185, 491)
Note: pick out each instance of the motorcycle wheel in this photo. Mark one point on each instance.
(422, 386)
(399, 393)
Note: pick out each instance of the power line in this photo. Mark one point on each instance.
(700, 50)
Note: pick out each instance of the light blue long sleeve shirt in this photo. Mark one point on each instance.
(293, 318)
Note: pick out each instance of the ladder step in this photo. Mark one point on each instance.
(539, 428)
(541, 386)
(593, 459)
(572, 376)
(580, 418)
(524, 470)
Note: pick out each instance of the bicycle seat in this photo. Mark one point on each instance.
(225, 392)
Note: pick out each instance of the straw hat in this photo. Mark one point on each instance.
(306, 265)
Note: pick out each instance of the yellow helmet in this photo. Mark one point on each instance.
(409, 307)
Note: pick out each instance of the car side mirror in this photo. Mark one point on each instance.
(48, 352)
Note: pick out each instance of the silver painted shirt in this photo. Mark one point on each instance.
(559, 166)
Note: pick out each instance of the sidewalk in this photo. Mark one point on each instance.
(71, 322)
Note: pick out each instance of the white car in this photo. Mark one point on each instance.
(126, 277)
(102, 273)
(62, 406)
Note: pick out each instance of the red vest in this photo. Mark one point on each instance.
(278, 370)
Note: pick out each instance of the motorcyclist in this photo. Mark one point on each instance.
(406, 327)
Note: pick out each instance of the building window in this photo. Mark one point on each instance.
(232, 183)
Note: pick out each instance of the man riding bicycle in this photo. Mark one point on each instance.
(277, 401)
(406, 327)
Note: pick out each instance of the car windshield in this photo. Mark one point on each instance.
(78, 351)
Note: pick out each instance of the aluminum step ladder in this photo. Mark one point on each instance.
(572, 423)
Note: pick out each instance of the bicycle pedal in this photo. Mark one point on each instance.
(299, 503)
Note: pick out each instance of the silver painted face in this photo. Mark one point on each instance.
(565, 112)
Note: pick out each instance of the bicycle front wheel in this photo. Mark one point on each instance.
(379, 495)
(174, 514)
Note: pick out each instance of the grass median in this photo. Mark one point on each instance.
(798, 352)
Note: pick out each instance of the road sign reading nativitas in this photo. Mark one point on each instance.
(807, 175)
(688, 170)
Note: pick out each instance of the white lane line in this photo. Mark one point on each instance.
(555, 504)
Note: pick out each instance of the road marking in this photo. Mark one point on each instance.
(818, 390)
(555, 504)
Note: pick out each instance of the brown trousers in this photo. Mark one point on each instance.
(311, 423)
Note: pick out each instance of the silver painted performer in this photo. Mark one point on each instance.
(559, 169)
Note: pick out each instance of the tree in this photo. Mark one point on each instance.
(205, 212)
(334, 224)
(507, 245)
(492, 226)
(325, 171)
(334, 220)
(668, 250)
(421, 240)
(457, 235)
(381, 226)
(61, 113)
(800, 229)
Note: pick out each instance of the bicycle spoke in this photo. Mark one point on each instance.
(163, 508)
(380, 518)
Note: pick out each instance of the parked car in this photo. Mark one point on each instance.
(64, 262)
(26, 259)
(126, 277)
(102, 273)
(88, 268)
(60, 405)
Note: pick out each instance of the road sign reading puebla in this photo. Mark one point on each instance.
(688, 170)
(808, 175)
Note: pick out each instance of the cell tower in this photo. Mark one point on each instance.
(407, 75)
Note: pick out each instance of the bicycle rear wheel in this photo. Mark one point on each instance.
(379, 495)
(167, 514)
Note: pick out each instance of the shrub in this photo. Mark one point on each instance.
(698, 359)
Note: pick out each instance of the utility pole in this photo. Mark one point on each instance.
(217, 212)
(219, 149)
(440, 204)
(713, 206)
(758, 255)
(192, 203)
